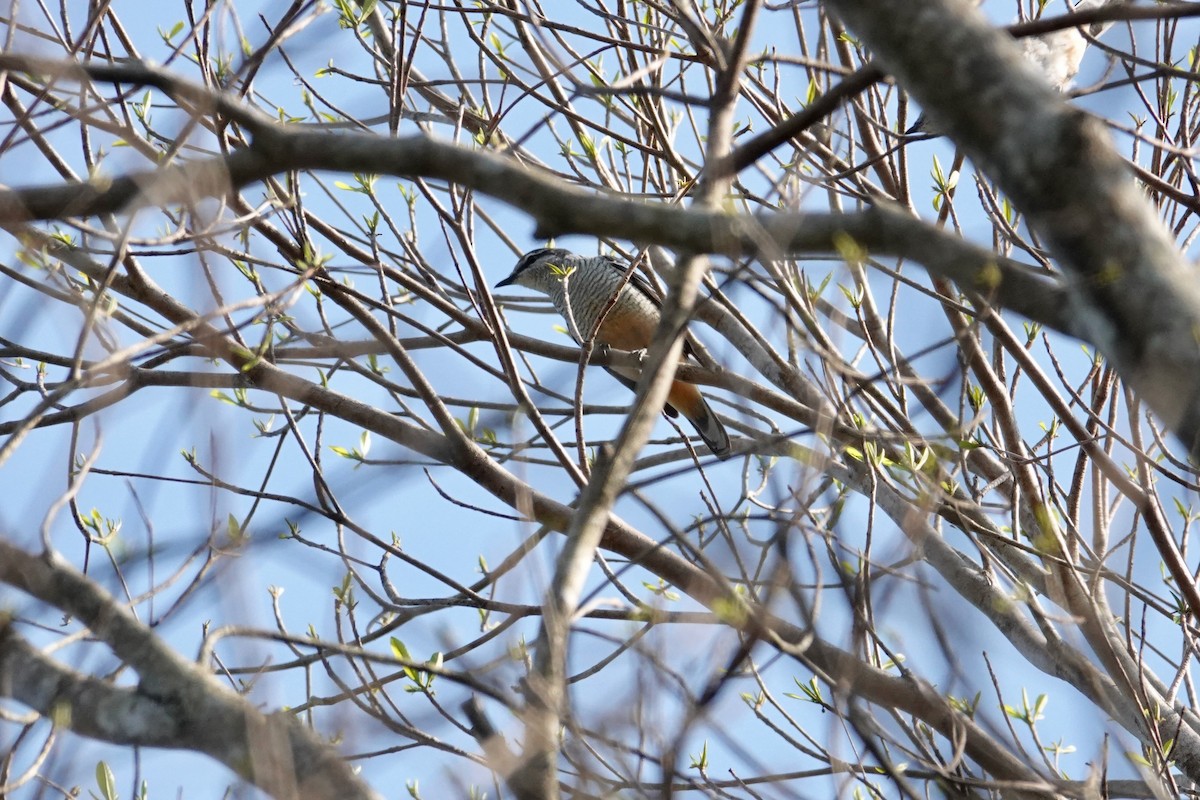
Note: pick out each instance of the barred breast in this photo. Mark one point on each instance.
(589, 287)
(582, 290)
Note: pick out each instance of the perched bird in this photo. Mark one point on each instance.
(581, 288)
(1056, 55)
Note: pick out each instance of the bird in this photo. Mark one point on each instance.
(1057, 55)
(581, 288)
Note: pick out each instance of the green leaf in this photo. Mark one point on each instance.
(811, 690)
(588, 144)
(399, 650)
(106, 781)
(402, 654)
(344, 593)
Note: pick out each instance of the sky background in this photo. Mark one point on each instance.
(146, 436)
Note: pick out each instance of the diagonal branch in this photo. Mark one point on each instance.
(1130, 293)
(176, 703)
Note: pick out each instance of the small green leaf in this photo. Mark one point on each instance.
(400, 652)
(106, 781)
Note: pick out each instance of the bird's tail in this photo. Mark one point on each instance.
(710, 428)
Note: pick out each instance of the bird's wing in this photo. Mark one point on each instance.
(640, 284)
(636, 279)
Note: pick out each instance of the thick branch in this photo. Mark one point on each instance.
(87, 706)
(1131, 294)
(557, 208)
(194, 712)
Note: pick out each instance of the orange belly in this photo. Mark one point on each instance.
(622, 330)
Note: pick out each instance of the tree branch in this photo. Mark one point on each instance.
(176, 704)
(1130, 293)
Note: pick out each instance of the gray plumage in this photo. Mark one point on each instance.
(582, 290)
(581, 286)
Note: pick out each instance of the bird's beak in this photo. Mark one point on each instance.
(506, 282)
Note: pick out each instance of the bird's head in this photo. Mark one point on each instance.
(539, 268)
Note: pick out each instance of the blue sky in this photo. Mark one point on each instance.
(144, 436)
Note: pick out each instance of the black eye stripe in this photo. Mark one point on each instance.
(527, 260)
(534, 256)
(530, 257)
